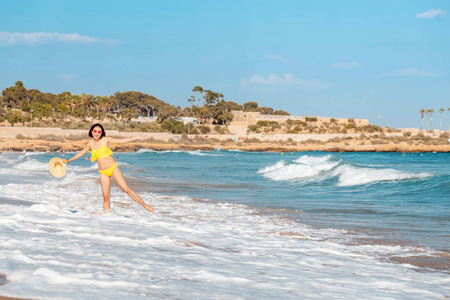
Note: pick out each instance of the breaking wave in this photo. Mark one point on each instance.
(318, 167)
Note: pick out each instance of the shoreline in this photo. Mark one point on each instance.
(19, 139)
(4, 281)
(40, 145)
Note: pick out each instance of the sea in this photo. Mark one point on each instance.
(228, 225)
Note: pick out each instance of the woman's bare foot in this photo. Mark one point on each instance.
(149, 208)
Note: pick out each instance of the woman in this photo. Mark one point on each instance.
(107, 166)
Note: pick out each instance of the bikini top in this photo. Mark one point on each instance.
(102, 152)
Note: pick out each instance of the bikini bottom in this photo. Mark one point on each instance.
(108, 172)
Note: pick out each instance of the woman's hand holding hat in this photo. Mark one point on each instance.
(57, 167)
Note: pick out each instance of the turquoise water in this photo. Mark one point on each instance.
(396, 197)
(229, 225)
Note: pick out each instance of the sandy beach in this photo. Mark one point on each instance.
(70, 146)
(56, 139)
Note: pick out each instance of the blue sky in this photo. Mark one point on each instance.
(380, 60)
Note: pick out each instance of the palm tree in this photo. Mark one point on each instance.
(431, 114)
(448, 122)
(87, 101)
(110, 101)
(428, 118)
(421, 118)
(104, 103)
(440, 124)
(72, 101)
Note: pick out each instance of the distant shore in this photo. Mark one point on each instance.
(211, 143)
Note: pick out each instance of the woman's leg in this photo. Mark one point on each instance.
(105, 182)
(118, 177)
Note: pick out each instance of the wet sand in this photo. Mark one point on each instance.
(4, 281)
(9, 298)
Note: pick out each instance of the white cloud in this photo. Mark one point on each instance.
(273, 57)
(67, 76)
(430, 14)
(286, 79)
(415, 73)
(346, 65)
(274, 79)
(32, 38)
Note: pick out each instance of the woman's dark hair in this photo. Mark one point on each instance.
(97, 125)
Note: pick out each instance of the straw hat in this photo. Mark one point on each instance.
(57, 167)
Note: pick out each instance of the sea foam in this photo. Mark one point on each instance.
(347, 174)
(32, 165)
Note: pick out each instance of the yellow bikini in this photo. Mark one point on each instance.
(108, 172)
(103, 152)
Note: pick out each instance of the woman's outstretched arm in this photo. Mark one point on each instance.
(127, 140)
(78, 155)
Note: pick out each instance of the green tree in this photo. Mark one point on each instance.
(251, 106)
(199, 91)
(266, 110)
(175, 127)
(72, 101)
(138, 101)
(13, 96)
(12, 118)
(166, 112)
(201, 113)
(192, 100)
(24, 118)
(41, 110)
(234, 106)
(281, 113)
(87, 101)
(128, 114)
(211, 97)
(220, 113)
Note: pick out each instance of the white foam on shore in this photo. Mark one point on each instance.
(31, 165)
(65, 247)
